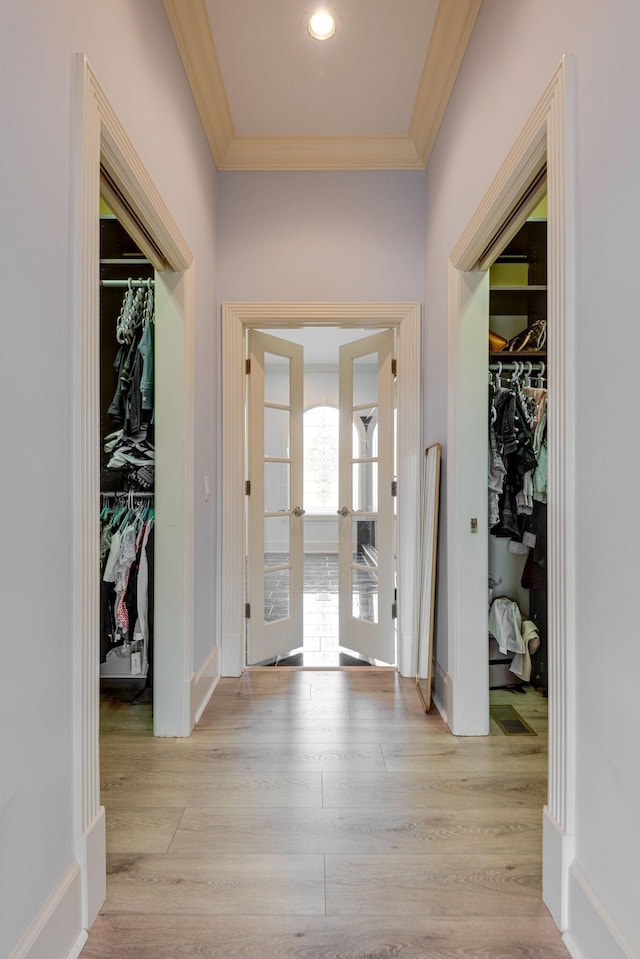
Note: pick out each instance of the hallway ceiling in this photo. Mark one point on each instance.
(272, 98)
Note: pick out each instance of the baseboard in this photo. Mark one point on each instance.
(57, 931)
(95, 840)
(204, 683)
(558, 851)
(592, 933)
(231, 663)
(78, 945)
(442, 693)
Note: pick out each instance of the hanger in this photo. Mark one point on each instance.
(527, 375)
(498, 381)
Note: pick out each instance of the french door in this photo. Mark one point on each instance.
(276, 532)
(275, 540)
(366, 534)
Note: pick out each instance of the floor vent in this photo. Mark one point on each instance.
(510, 721)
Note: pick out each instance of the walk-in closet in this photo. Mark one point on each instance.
(127, 465)
(517, 459)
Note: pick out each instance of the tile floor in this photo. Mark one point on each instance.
(321, 646)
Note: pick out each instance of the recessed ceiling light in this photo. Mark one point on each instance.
(322, 25)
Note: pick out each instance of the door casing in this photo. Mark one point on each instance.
(101, 139)
(236, 318)
(461, 694)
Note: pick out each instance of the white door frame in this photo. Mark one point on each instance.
(549, 135)
(100, 138)
(236, 318)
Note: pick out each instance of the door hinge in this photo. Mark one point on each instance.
(247, 610)
(394, 367)
(394, 611)
(394, 487)
(247, 487)
(247, 366)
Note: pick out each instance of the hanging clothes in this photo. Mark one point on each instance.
(131, 445)
(125, 612)
(517, 464)
(514, 635)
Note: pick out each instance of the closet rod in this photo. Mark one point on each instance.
(529, 368)
(127, 493)
(124, 284)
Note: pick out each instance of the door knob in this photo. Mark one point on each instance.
(344, 511)
(298, 511)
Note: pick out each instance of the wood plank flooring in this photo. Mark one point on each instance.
(322, 814)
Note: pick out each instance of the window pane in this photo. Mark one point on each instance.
(364, 593)
(364, 533)
(276, 432)
(365, 487)
(365, 379)
(365, 433)
(276, 487)
(277, 595)
(277, 540)
(276, 379)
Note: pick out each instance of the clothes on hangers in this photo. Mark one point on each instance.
(514, 635)
(131, 445)
(125, 612)
(517, 463)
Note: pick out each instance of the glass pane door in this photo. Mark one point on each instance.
(366, 504)
(275, 530)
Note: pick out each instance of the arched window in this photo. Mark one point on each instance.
(321, 426)
(321, 439)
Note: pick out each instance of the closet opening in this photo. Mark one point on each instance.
(518, 365)
(127, 477)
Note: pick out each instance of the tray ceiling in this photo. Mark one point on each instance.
(272, 98)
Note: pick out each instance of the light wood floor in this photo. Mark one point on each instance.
(322, 814)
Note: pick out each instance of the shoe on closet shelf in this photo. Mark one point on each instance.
(531, 340)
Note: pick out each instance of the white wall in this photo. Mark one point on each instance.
(130, 47)
(512, 55)
(321, 236)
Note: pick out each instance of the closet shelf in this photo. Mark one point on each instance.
(511, 356)
(518, 288)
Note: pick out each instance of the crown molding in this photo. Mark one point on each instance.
(452, 29)
(191, 28)
(190, 25)
(321, 153)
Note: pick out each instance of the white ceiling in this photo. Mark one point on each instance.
(371, 97)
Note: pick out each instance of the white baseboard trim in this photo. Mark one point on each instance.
(204, 683)
(442, 694)
(95, 841)
(558, 852)
(57, 929)
(592, 933)
(231, 655)
(79, 944)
